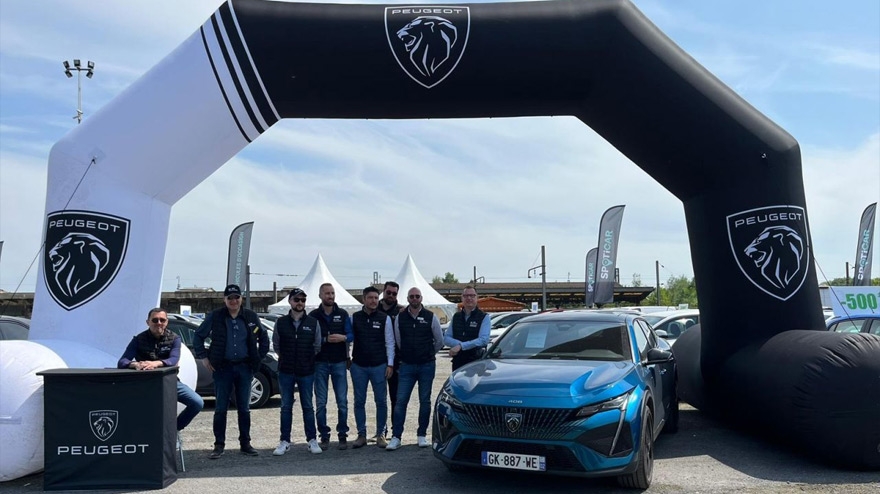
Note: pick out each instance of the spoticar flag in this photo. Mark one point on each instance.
(590, 285)
(239, 250)
(865, 247)
(606, 259)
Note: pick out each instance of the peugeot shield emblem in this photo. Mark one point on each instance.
(513, 421)
(427, 41)
(771, 247)
(83, 253)
(103, 423)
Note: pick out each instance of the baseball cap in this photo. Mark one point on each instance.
(295, 292)
(231, 290)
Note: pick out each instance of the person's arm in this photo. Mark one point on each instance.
(127, 358)
(389, 342)
(276, 339)
(397, 333)
(318, 343)
(448, 340)
(438, 333)
(482, 340)
(349, 331)
(174, 356)
(200, 335)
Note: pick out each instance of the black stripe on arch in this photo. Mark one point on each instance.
(248, 70)
(220, 85)
(238, 87)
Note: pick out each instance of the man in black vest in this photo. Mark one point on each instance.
(468, 334)
(389, 305)
(297, 339)
(419, 338)
(372, 362)
(238, 345)
(332, 364)
(158, 347)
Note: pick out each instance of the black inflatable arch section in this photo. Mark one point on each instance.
(737, 173)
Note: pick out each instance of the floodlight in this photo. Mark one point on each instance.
(67, 65)
(76, 62)
(91, 65)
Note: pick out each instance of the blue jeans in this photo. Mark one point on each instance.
(324, 372)
(410, 374)
(238, 376)
(375, 376)
(193, 403)
(306, 385)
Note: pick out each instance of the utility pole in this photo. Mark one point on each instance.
(847, 273)
(90, 71)
(543, 267)
(657, 270)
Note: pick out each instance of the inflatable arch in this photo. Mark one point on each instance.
(113, 180)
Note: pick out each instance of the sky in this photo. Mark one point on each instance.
(455, 194)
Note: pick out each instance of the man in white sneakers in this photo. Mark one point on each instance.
(297, 340)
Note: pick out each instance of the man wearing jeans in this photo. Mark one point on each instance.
(332, 364)
(419, 338)
(372, 362)
(158, 347)
(297, 340)
(238, 345)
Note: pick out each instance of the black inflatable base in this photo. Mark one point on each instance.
(816, 390)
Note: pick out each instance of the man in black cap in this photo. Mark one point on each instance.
(238, 345)
(297, 339)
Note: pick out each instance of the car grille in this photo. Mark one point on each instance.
(559, 458)
(534, 423)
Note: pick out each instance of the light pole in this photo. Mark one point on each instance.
(90, 71)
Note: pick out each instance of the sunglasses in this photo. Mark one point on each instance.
(157, 320)
(387, 292)
(299, 299)
(233, 297)
(415, 296)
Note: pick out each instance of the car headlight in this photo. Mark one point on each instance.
(447, 397)
(617, 403)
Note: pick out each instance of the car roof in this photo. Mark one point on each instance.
(581, 315)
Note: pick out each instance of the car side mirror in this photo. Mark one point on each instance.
(658, 356)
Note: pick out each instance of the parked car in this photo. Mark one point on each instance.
(863, 323)
(14, 328)
(271, 316)
(264, 384)
(671, 324)
(580, 393)
(500, 321)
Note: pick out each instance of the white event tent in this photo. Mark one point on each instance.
(410, 277)
(318, 275)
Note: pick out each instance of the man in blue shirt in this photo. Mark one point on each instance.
(238, 345)
(468, 334)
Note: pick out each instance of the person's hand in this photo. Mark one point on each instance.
(151, 364)
(454, 350)
(389, 371)
(335, 338)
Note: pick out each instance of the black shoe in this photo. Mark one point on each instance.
(249, 450)
(217, 452)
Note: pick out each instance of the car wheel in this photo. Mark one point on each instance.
(260, 390)
(641, 478)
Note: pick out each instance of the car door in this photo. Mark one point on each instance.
(660, 377)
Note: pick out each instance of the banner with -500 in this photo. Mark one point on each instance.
(853, 300)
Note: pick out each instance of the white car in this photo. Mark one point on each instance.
(673, 323)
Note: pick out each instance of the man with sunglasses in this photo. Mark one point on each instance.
(158, 347)
(238, 345)
(468, 334)
(389, 306)
(419, 338)
(297, 339)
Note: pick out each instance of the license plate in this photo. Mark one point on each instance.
(514, 461)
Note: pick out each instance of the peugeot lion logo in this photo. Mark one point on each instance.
(513, 421)
(84, 251)
(103, 423)
(771, 247)
(427, 42)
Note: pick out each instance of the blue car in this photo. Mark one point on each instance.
(580, 393)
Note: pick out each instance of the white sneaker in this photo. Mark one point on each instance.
(393, 444)
(423, 442)
(314, 448)
(283, 447)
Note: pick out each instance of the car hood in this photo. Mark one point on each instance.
(546, 383)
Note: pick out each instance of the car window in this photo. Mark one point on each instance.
(649, 333)
(563, 340)
(13, 330)
(875, 327)
(848, 326)
(180, 329)
(641, 339)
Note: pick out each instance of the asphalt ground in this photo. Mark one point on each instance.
(705, 456)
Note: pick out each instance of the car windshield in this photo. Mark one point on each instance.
(653, 320)
(563, 340)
